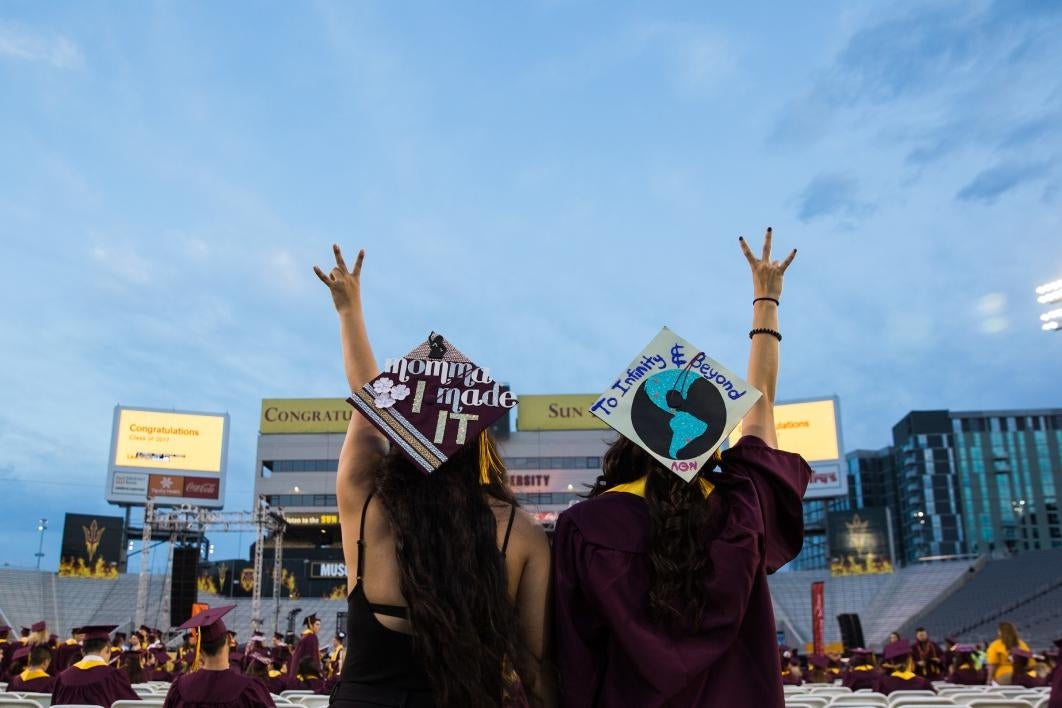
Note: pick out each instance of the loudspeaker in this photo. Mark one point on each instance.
(183, 589)
(851, 630)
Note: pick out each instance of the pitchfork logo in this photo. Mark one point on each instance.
(93, 534)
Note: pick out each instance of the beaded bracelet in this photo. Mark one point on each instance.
(766, 330)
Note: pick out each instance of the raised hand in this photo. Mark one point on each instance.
(766, 274)
(345, 285)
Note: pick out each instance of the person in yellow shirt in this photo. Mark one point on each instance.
(1000, 667)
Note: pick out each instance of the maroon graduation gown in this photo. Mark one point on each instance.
(968, 676)
(930, 654)
(611, 653)
(1017, 679)
(307, 646)
(217, 689)
(889, 683)
(64, 656)
(99, 685)
(856, 679)
(306, 683)
(1056, 690)
(42, 684)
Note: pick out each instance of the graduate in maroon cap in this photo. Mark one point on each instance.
(861, 671)
(7, 648)
(35, 679)
(214, 684)
(660, 578)
(308, 646)
(964, 671)
(900, 674)
(1024, 675)
(92, 681)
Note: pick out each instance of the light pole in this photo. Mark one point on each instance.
(42, 526)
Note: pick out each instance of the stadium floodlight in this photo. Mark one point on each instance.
(1049, 292)
(42, 526)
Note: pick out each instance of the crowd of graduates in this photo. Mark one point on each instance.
(907, 665)
(96, 665)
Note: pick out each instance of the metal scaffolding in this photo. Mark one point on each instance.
(184, 521)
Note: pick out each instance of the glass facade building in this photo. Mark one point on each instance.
(966, 482)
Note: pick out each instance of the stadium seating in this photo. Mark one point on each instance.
(1025, 589)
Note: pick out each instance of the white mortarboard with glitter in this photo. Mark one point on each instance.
(676, 402)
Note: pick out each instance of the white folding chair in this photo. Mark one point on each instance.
(8, 700)
(313, 701)
(295, 692)
(831, 691)
(860, 700)
(918, 701)
(45, 699)
(999, 702)
(142, 703)
(806, 700)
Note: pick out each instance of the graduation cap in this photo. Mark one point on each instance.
(897, 650)
(432, 401)
(22, 651)
(818, 661)
(308, 620)
(278, 637)
(4, 630)
(96, 631)
(211, 627)
(676, 403)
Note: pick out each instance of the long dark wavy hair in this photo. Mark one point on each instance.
(452, 575)
(682, 526)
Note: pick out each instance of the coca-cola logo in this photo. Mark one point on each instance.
(200, 488)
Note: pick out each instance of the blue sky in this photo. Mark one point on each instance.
(545, 183)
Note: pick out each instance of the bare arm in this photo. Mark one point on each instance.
(363, 445)
(763, 353)
(533, 610)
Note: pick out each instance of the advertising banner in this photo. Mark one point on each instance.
(173, 457)
(91, 546)
(812, 429)
(559, 411)
(304, 415)
(818, 615)
(858, 542)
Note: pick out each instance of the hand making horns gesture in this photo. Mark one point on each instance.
(344, 285)
(766, 274)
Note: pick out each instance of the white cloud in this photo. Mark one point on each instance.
(24, 45)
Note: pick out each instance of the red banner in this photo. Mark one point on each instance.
(818, 616)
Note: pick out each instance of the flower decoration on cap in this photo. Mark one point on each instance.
(676, 403)
(432, 402)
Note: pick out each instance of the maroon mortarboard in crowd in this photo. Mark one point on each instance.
(39, 626)
(4, 631)
(211, 626)
(819, 661)
(432, 401)
(897, 650)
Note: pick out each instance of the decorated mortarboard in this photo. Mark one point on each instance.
(676, 402)
(96, 631)
(898, 649)
(432, 401)
(211, 627)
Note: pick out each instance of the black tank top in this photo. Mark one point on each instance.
(376, 654)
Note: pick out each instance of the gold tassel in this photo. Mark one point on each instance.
(195, 659)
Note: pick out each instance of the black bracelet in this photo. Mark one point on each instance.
(766, 330)
(769, 299)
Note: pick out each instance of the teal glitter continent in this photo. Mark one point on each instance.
(685, 427)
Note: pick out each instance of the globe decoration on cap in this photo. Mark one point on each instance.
(676, 403)
(432, 402)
